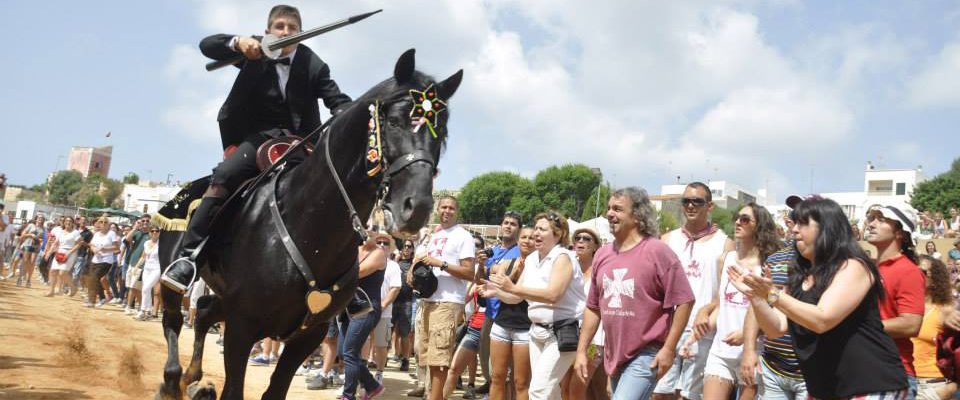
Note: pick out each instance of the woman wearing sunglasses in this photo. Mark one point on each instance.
(756, 238)
(552, 284)
(150, 265)
(830, 308)
(585, 244)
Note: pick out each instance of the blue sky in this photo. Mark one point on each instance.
(755, 92)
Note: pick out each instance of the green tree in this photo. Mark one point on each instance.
(485, 198)
(723, 218)
(112, 189)
(93, 200)
(667, 222)
(131, 178)
(528, 203)
(566, 188)
(939, 193)
(64, 185)
(590, 209)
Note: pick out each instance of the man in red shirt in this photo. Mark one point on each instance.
(889, 229)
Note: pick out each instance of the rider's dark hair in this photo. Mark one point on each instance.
(283, 10)
(834, 245)
(706, 189)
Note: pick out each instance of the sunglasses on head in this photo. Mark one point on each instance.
(695, 201)
(583, 238)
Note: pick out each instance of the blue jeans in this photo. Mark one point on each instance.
(353, 334)
(779, 387)
(912, 392)
(636, 380)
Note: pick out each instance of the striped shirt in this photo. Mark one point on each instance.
(778, 354)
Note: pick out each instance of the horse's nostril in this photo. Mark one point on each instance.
(407, 207)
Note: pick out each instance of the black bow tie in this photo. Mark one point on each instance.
(284, 61)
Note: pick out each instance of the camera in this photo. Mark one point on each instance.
(488, 252)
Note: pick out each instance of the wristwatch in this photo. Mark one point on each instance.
(443, 266)
(773, 296)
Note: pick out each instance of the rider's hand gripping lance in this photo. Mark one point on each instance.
(271, 45)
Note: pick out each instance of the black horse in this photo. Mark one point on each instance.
(259, 290)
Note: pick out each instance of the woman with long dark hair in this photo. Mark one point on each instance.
(830, 308)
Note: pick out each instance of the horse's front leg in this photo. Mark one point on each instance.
(171, 389)
(238, 338)
(209, 311)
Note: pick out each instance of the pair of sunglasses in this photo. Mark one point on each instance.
(583, 238)
(695, 201)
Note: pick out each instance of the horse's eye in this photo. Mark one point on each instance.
(394, 122)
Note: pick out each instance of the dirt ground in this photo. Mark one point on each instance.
(54, 348)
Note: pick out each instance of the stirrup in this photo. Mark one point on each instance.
(177, 286)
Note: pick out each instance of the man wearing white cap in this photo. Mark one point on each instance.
(890, 230)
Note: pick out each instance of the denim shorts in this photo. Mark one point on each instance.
(471, 341)
(512, 336)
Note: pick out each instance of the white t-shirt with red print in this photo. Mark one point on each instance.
(450, 245)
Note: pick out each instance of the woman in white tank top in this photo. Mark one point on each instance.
(756, 237)
(150, 262)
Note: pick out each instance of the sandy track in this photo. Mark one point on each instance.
(36, 361)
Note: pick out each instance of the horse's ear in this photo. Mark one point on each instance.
(403, 72)
(449, 86)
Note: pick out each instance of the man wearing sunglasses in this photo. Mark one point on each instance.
(890, 230)
(699, 245)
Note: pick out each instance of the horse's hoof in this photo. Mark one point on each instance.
(163, 395)
(205, 392)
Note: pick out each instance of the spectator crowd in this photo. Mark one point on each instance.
(789, 306)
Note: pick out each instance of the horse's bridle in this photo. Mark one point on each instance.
(378, 165)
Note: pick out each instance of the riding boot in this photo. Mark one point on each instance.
(179, 275)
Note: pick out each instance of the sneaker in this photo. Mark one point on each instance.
(417, 392)
(260, 361)
(101, 303)
(274, 359)
(319, 383)
(404, 365)
(483, 389)
(336, 380)
(303, 370)
(379, 377)
(373, 393)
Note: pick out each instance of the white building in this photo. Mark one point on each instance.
(147, 199)
(880, 186)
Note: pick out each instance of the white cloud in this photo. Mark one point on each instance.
(937, 85)
(644, 90)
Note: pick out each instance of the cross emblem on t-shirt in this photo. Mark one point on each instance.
(614, 288)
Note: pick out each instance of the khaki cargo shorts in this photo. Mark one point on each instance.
(436, 332)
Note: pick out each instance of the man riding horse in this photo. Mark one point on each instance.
(270, 98)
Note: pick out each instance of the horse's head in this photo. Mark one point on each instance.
(411, 113)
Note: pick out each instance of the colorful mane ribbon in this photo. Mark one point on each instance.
(374, 148)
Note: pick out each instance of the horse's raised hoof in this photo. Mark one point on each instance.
(205, 392)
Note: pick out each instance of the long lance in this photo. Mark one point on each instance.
(272, 45)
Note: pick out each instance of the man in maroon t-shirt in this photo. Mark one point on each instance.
(889, 229)
(639, 291)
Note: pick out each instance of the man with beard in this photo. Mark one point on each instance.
(699, 245)
(639, 292)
